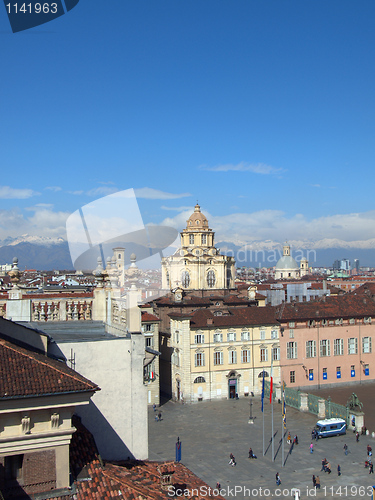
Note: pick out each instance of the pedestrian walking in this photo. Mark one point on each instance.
(317, 482)
(369, 450)
(278, 480)
(346, 448)
(159, 416)
(371, 469)
(156, 418)
(338, 470)
(324, 461)
(328, 468)
(295, 439)
(311, 447)
(232, 460)
(357, 437)
(289, 439)
(314, 480)
(154, 406)
(218, 486)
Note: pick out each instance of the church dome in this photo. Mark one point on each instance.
(197, 220)
(286, 263)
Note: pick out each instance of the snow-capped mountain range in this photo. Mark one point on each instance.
(46, 253)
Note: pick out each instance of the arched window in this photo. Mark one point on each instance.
(185, 279)
(211, 278)
(199, 380)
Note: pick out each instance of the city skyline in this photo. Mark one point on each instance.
(261, 112)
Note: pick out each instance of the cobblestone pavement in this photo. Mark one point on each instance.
(210, 431)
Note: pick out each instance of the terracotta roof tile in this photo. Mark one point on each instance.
(244, 316)
(346, 306)
(26, 373)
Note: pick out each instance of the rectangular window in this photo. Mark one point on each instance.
(276, 353)
(325, 347)
(232, 359)
(199, 359)
(199, 338)
(149, 341)
(311, 374)
(191, 239)
(262, 334)
(274, 334)
(291, 350)
(245, 356)
(263, 354)
(292, 377)
(311, 349)
(324, 373)
(338, 347)
(148, 328)
(204, 239)
(218, 358)
(218, 337)
(231, 336)
(13, 467)
(366, 345)
(291, 324)
(245, 335)
(338, 372)
(291, 334)
(353, 346)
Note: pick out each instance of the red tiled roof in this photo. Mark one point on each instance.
(26, 373)
(346, 306)
(244, 316)
(146, 316)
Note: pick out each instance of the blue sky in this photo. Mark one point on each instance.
(261, 110)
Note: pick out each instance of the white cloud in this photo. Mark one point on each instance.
(43, 222)
(175, 209)
(156, 194)
(55, 189)
(8, 193)
(249, 228)
(77, 193)
(102, 191)
(255, 168)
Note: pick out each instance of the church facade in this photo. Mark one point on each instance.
(198, 264)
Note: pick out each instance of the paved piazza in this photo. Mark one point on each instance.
(210, 431)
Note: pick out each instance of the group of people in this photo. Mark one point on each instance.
(314, 434)
(232, 460)
(326, 466)
(289, 439)
(368, 462)
(316, 482)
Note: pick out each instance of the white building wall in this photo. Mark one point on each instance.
(117, 414)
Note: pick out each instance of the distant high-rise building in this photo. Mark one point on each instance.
(336, 265)
(345, 265)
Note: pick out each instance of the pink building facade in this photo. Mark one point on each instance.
(329, 342)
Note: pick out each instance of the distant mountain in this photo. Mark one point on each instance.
(320, 253)
(37, 255)
(42, 253)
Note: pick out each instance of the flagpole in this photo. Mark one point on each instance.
(283, 422)
(263, 409)
(271, 399)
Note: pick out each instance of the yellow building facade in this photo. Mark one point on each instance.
(220, 357)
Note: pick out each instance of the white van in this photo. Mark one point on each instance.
(330, 427)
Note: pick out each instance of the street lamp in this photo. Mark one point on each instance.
(251, 419)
